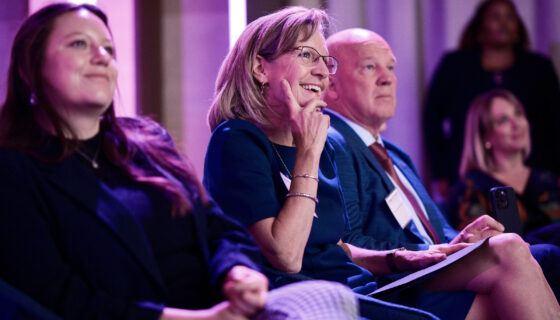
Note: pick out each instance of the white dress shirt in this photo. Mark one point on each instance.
(369, 139)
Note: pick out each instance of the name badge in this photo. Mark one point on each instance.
(288, 183)
(398, 207)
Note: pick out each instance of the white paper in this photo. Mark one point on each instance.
(420, 275)
(398, 207)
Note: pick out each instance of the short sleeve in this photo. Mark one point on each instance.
(238, 172)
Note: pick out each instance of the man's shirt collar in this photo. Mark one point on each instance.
(362, 132)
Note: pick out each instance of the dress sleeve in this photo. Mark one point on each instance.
(238, 173)
(543, 189)
(32, 261)
(466, 202)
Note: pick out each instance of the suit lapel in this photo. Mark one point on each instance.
(81, 185)
(356, 143)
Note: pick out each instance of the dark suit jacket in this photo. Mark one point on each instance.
(67, 242)
(365, 186)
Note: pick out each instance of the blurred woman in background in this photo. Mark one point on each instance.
(493, 53)
(496, 145)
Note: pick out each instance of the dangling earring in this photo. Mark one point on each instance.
(262, 88)
(33, 99)
(487, 145)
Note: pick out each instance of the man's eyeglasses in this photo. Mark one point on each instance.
(311, 57)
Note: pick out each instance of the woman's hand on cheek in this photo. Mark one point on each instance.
(308, 124)
(246, 290)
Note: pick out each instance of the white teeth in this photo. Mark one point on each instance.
(311, 87)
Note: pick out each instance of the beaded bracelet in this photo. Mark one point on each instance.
(305, 176)
(304, 195)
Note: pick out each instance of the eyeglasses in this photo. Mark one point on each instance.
(310, 56)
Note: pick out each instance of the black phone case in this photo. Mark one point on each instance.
(504, 209)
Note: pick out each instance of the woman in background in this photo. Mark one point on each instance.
(493, 53)
(100, 216)
(496, 144)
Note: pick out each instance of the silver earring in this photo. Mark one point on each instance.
(262, 88)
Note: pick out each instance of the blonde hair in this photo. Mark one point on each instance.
(478, 125)
(238, 94)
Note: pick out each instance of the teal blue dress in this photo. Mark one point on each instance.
(243, 174)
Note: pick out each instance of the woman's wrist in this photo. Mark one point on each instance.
(308, 156)
(303, 195)
(306, 176)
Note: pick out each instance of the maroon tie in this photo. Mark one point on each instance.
(381, 154)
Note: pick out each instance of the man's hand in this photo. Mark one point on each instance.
(481, 228)
(245, 290)
(406, 260)
(448, 248)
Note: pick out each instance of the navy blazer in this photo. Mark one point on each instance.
(67, 242)
(365, 186)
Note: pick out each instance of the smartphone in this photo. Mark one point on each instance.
(504, 209)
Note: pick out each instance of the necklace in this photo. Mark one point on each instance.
(281, 160)
(93, 161)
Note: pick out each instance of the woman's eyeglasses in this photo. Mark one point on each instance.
(310, 56)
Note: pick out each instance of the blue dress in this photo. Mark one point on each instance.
(243, 174)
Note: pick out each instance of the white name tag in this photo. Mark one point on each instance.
(398, 207)
(288, 183)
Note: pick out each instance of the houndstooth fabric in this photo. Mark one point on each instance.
(310, 300)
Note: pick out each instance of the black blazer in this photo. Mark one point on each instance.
(72, 246)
